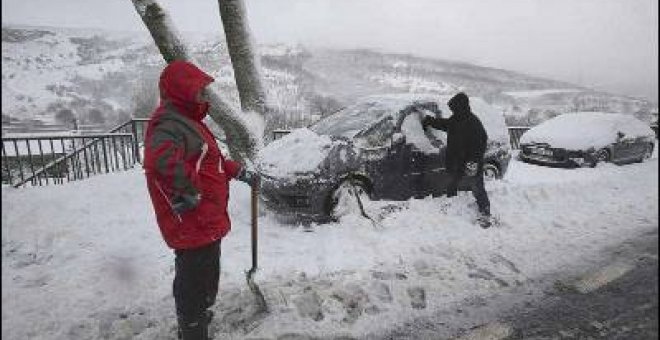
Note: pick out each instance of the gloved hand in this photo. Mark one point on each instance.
(184, 202)
(426, 121)
(247, 176)
(471, 169)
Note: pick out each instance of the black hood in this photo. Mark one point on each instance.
(459, 104)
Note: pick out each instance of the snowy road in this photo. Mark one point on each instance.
(624, 308)
(620, 303)
(85, 260)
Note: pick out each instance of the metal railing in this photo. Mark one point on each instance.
(56, 159)
(136, 127)
(40, 160)
(515, 132)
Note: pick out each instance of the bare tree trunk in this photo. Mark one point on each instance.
(241, 52)
(242, 144)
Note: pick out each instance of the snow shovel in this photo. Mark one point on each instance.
(259, 297)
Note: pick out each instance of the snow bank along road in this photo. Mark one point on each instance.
(86, 261)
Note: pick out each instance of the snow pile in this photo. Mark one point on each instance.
(301, 151)
(86, 261)
(412, 129)
(584, 130)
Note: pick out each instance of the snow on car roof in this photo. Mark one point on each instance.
(584, 130)
(367, 110)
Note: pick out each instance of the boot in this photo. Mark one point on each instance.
(484, 221)
(208, 316)
(197, 330)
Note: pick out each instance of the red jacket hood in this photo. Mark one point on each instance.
(179, 83)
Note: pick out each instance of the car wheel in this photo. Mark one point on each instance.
(491, 172)
(349, 198)
(648, 152)
(602, 155)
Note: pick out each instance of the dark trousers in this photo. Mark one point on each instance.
(197, 272)
(476, 186)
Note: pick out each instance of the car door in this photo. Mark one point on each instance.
(426, 172)
(639, 146)
(391, 173)
(386, 159)
(624, 149)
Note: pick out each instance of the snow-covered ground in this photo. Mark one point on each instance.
(86, 261)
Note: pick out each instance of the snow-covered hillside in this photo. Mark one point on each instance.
(86, 261)
(52, 74)
(105, 77)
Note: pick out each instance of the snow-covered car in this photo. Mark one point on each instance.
(587, 138)
(376, 148)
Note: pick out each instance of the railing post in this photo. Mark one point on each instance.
(114, 151)
(5, 160)
(18, 159)
(27, 143)
(84, 149)
(52, 158)
(97, 155)
(136, 148)
(105, 155)
(75, 161)
(66, 164)
(43, 160)
(123, 152)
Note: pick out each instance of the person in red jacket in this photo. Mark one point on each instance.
(188, 182)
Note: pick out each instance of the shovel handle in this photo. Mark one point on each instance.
(254, 191)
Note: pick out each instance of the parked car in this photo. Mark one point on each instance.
(587, 138)
(375, 149)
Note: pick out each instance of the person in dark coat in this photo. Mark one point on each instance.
(188, 181)
(466, 146)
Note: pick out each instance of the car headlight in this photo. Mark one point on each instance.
(577, 160)
(577, 157)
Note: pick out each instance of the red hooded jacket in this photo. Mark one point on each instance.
(187, 175)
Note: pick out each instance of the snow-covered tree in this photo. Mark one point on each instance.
(242, 54)
(242, 142)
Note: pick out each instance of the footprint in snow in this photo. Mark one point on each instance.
(308, 305)
(355, 301)
(484, 274)
(499, 259)
(417, 297)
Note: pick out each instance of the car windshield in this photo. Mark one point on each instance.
(353, 119)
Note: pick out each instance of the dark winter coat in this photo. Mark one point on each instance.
(466, 136)
(187, 175)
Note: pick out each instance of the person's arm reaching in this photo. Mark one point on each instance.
(436, 123)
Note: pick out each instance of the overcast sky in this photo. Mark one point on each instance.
(610, 45)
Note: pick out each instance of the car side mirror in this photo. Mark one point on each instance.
(620, 135)
(398, 138)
